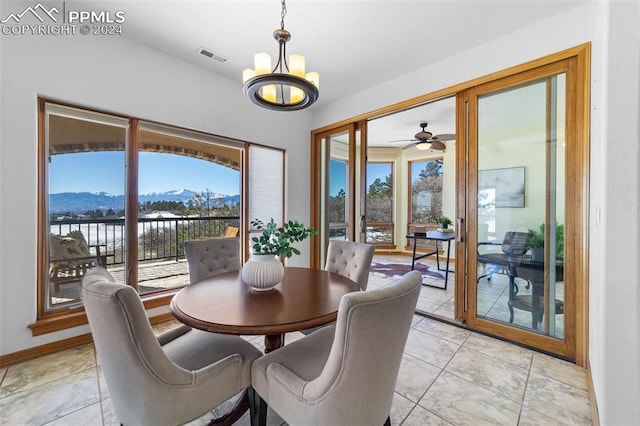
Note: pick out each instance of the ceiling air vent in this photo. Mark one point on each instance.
(213, 55)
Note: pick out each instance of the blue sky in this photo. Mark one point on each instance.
(377, 170)
(104, 172)
(338, 178)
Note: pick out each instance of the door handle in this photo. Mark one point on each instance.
(459, 236)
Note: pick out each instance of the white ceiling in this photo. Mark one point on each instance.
(353, 44)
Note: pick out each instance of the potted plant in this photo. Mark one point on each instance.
(264, 269)
(444, 221)
(535, 242)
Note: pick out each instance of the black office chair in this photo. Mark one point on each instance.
(513, 244)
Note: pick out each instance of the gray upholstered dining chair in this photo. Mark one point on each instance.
(343, 374)
(351, 260)
(212, 256)
(165, 380)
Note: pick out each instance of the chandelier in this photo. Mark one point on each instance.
(285, 88)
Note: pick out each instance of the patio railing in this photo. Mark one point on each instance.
(158, 238)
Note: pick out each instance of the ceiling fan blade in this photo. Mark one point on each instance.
(444, 137)
(438, 145)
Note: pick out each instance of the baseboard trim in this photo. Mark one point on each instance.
(57, 346)
(49, 348)
(595, 415)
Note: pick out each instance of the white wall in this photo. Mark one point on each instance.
(614, 296)
(113, 74)
(614, 293)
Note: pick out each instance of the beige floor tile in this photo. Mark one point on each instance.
(529, 417)
(560, 370)
(415, 377)
(463, 403)
(91, 415)
(444, 331)
(557, 400)
(414, 321)
(109, 414)
(421, 417)
(446, 310)
(427, 304)
(400, 409)
(435, 351)
(102, 385)
(51, 400)
(498, 376)
(436, 293)
(500, 350)
(33, 373)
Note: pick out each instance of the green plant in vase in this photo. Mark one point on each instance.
(278, 240)
(264, 269)
(444, 222)
(535, 242)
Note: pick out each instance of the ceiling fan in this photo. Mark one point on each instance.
(424, 140)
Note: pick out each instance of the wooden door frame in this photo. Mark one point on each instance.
(576, 210)
(582, 54)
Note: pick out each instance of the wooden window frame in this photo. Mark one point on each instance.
(48, 321)
(422, 245)
(391, 224)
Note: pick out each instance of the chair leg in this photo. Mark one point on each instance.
(388, 422)
(257, 409)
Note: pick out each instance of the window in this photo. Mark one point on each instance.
(337, 205)
(84, 199)
(125, 195)
(380, 200)
(425, 199)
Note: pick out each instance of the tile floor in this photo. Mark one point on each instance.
(493, 295)
(449, 376)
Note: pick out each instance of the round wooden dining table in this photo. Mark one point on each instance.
(223, 303)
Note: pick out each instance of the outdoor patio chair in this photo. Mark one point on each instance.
(70, 258)
(343, 374)
(170, 379)
(212, 256)
(231, 231)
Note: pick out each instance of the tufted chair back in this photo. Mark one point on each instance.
(166, 380)
(212, 256)
(351, 260)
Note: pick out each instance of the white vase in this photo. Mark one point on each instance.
(262, 272)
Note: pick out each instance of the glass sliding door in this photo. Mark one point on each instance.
(521, 206)
(336, 205)
(519, 280)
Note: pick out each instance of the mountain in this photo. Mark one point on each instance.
(183, 195)
(80, 202)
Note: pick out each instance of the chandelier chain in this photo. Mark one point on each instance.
(283, 14)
